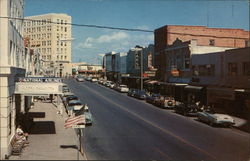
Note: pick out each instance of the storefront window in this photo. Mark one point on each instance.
(246, 68)
(232, 69)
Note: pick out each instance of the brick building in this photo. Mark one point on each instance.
(219, 37)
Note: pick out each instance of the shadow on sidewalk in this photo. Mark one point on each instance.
(68, 146)
(36, 114)
(43, 127)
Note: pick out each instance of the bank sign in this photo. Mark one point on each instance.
(38, 86)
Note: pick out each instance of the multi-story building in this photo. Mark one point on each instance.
(14, 62)
(109, 63)
(50, 35)
(227, 78)
(218, 37)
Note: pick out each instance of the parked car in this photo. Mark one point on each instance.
(132, 92)
(187, 109)
(65, 95)
(88, 78)
(72, 97)
(87, 114)
(107, 83)
(123, 88)
(165, 102)
(94, 80)
(111, 85)
(141, 94)
(152, 98)
(212, 118)
(75, 105)
(80, 78)
(65, 88)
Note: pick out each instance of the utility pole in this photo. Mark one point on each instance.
(141, 70)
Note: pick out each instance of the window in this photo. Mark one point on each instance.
(65, 29)
(202, 70)
(211, 42)
(210, 70)
(232, 69)
(246, 68)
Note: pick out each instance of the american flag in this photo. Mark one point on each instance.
(74, 121)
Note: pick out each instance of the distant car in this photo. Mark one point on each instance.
(212, 118)
(152, 98)
(141, 94)
(132, 92)
(80, 78)
(123, 88)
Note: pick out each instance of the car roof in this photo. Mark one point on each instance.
(74, 101)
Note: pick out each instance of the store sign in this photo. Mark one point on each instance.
(37, 88)
(40, 79)
(175, 73)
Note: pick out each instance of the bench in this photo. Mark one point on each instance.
(16, 145)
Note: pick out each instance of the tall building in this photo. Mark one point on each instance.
(15, 61)
(50, 34)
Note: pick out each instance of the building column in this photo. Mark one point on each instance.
(22, 103)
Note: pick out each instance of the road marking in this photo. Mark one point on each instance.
(152, 124)
(162, 153)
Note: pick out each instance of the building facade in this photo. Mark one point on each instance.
(50, 35)
(14, 62)
(227, 77)
(219, 37)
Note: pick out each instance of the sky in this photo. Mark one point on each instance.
(90, 43)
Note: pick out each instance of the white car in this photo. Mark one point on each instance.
(123, 88)
(213, 118)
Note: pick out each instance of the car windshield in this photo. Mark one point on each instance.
(155, 95)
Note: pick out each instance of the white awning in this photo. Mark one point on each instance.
(193, 87)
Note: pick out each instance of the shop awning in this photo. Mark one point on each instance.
(193, 88)
(152, 82)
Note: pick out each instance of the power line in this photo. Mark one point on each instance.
(80, 25)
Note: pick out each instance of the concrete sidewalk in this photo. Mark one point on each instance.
(48, 138)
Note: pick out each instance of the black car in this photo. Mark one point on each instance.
(187, 109)
(132, 92)
(152, 98)
(141, 94)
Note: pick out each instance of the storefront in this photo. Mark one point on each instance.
(193, 94)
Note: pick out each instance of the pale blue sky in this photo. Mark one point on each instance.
(142, 14)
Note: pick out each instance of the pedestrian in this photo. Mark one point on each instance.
(21, 135)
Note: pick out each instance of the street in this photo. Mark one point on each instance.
(127, 128)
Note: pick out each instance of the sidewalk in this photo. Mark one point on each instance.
(48, 138)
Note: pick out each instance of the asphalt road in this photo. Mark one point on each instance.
(131, 129)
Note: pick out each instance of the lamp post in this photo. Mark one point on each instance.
(141, 70)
